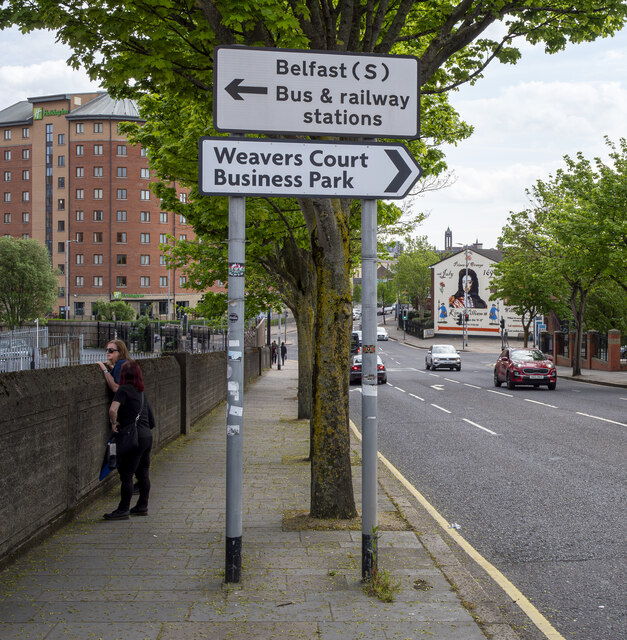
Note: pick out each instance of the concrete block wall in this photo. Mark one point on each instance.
(54, 426)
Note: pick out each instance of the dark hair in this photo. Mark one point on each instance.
(132, 374)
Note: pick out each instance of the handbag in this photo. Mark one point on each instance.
(127, 438)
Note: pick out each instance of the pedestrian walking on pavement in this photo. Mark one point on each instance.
(129, 404)
(283, 353)
(274, 352)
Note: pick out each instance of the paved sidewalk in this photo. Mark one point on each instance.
(493, 346)
(160, 577)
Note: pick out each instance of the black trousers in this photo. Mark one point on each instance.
(137, 463)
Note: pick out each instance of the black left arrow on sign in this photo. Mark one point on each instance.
(403, 168)
(235, 89)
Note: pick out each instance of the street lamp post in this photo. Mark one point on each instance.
(466, 298)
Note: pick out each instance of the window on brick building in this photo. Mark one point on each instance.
(97, 127)
(25, 154)
(80, 172)
(80, 127)
(98, 237)
(120, 281)
(25, 132)
(121, 150)
(7, 218)
(144, 194)
(25, 174)
(25, 217)
(144, 238)
(80, 194)
(79, 281)
(98, 194)
(79, 236)
(121, 237)
(61, 139)
(144, 173)
(121, 194)
(120, 216)
(97, 172)
(60, 225)
(80, 150)
(144, 216)
(61, 204)
(80, 216)
(98, 150)
(97, 281)
(144, 259)
(121, 172)
(163, 217)
(98, 258)
(7, 134)
(120, 258)
(144, 281)
(98, 215)
(80, 258)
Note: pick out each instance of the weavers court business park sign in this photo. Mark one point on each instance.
(315, 93)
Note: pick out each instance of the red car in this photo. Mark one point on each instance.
(524, 366)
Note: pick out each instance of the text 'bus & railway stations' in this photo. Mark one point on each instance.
(315, 93)
(253, 166)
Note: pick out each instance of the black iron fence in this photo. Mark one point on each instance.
(598, 344)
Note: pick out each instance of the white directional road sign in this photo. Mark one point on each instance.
(316, 92)
(302, 168)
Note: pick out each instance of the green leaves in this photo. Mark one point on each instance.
(28, 286)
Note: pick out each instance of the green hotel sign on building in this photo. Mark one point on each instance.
(40, 112)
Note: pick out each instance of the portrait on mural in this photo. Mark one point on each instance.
(467, 294)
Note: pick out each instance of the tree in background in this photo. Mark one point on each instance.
(167, 48)
(577, 229)
(521, 279)
(28, 285)
(413, 274)
(114, 311)
(356, 294)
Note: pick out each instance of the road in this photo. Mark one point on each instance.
(535, 478)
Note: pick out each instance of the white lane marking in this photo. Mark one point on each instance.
(399, 389)
(622, 424)
(500, 393)
(514, 593)
(413, 395)
(435, 375)
(622, 398)
(455, 381)
(474, 424)
(474, 386)
(544, 404)
(440, 408)
(438, 387)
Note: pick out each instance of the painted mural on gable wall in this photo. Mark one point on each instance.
(458, 288)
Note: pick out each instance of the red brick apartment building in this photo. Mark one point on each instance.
(69, 179)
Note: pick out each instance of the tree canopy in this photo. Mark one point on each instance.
(165, 48)
(28, 286)
(576, 235)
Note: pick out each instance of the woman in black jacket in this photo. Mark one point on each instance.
(128, 401)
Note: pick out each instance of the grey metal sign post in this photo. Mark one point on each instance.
(235, 389)
(369, 374)
(312, 93)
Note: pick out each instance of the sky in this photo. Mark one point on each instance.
(526, 118)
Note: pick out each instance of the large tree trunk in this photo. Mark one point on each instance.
(304, 317)
(331, 478)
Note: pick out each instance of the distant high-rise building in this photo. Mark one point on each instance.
(72, 181)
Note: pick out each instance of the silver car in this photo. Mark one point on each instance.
(443, 356)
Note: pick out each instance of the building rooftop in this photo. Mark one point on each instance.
(104, 106)
(19, 113)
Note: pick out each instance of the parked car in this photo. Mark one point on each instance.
(524, 366)
(355, 343)
(382, 334)
(443, 356)
(355, 371)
